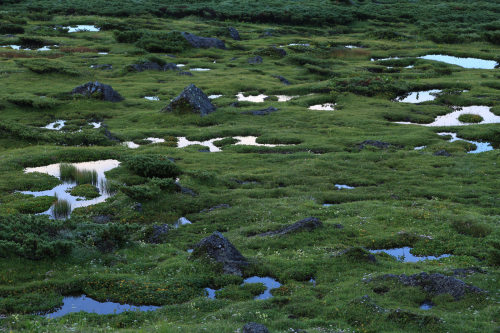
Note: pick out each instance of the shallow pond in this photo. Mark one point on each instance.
(56, 125)
(451, 119)
(340, 187)
(418, 96)
(86, 304)
(62, 190)
(200, 69)
(152, 98)
(268, 282)
(82, 27)
(252, 141)
(403, 254)
(285, 98)
(326, 107)
(133, 145)
(256, 99)
(426, 305)
(463, 62)
(183, 142)
(481, 147)
(19, 47)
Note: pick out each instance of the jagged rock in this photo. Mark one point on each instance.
(203, 42)
(442, 152)
(234, 33)
(282, 79)
(254, 328)
(374, 143)
(104, 67)
(255, 60)
(218, 248)
(308, 224)
(262, 112)
(435, 284)
(103, 91)
(192, 99)
(153, 66)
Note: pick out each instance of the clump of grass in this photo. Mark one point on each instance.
(71, 173)
(470, 118)
(86, 191)
(61, 209)
(469, 227)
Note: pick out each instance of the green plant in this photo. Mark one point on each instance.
(152, 166)
(470, 118)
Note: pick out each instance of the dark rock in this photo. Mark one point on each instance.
(442, 152)
(255, 60)
(185, 190)
(104, 67)
(374, 143)
(108, 134)
(218, 248)
(192, 99)
(101, 219)
(137, 207)
(203, 42)
(254, 328)
(103, 91)
(338, 226)
(278, 51)
(436, 284)
(234, 33)
(308, 224)
(185, 73)
(263, 112)
(158, 233)
(215, 207)
(282, 79)
(153, 66)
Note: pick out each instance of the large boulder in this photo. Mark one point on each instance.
(234, 33)
(254, 328)
(218, 248)
(191, 99)
(307, 224)
(203, 42)
(98, 90)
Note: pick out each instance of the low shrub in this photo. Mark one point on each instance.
(163, 42)
(9, 28)
(152, 166)
(468, 226)
(33, 101)
(369, 85)
(470, 118)
(45, 66)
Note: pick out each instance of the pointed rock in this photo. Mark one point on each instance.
(191, 99)
(234, 33)
(98, 90)
(219, 248)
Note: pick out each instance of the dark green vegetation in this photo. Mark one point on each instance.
(470, 118)
(401, 197)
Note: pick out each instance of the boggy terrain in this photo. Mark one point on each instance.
(312, 167)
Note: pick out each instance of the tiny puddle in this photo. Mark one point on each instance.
(152, 98)
(313, 281)
(102, 53)
(96, 124)
(326, 107)
(462, 62)
(418, 96)
(351, 47)
(340, 187)
(403, 254)
(82, 27)
(327, 205)
(156, 140)
(419, 147)
(298, 44)
(130, 144)
(56, 125)
(181, 221)
(268, 282)
(210, 293)
(451, 119)
(86, 304)
(183, 142)
(19, 47)
(410, 66)
(383, 59)
(190, 250)
(61, 190)
(426, 305)
(200, 69)
(285, 98)
(255, 99)
(181, 65)
(214, 96)
(481, 147)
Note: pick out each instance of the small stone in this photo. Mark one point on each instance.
(234, 33)
(254, 328)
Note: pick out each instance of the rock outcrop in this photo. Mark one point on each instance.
(234, 33)
(254, 328)
(98, 90)
(219, 248)
(203, 42)
(191, 100)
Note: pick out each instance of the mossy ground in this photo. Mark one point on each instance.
(402, 197)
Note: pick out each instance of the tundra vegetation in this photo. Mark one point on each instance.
(368, 179)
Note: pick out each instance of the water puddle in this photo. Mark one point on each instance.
(340, 187)
(426, 305)
(268, 282)
(19, 47)
(102, 53)
(285, 98)
(313, 281)
(181, 65)
(252, 141)
(190, 250)
(327, 205)
(462, 62)
(298, 44)
(383, 59)
(351, 47)
(419, 147)
(56, 125)
(214, 96)
(183, 142)
(95, 124)
(403, 254)
(210, 293)
(130, 144)
(326, 107)
(61, 191)
(82, 27)
(481, 147)
(418, 96)
(255, 99)
(200, 69)
(152, 98)
(86, 304)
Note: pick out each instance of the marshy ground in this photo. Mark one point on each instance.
(308, 123)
